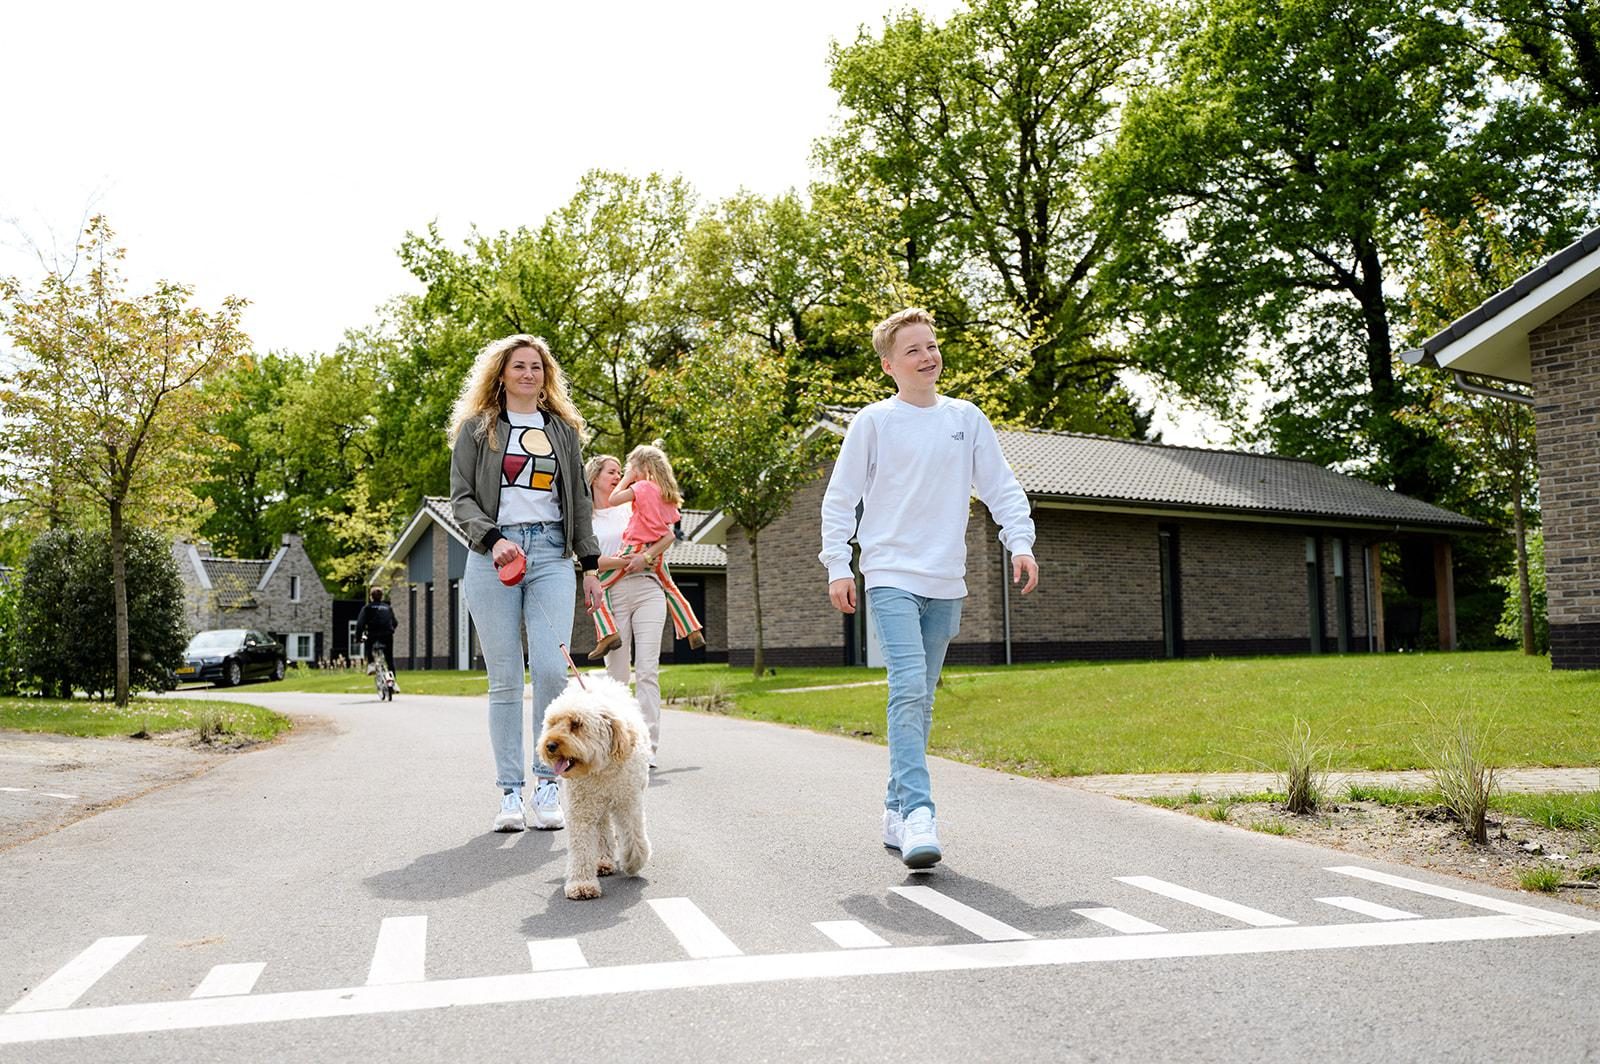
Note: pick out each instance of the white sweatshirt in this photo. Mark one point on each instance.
(914, 470)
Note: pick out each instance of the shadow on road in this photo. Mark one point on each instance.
(479, 862)
(902, 915)
(620, 893)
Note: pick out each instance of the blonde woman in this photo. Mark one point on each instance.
(517, 489)
(637, 601)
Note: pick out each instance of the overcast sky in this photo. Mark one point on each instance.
(280, 152)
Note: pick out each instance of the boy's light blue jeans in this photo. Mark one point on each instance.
(913, 633)
(543, 601)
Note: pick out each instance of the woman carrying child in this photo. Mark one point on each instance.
(649, 485)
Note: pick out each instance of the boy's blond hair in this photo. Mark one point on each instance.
(883, 334)
(652, 463)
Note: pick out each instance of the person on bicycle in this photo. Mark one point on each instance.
(376, 624)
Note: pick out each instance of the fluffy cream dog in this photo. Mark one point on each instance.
(595, 739)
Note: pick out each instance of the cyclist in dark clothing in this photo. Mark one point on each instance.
(376, 624)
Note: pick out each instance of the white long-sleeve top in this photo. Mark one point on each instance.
(914, 470)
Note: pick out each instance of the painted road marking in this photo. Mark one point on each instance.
(849, 934)
(1477, 901)
(47, 794)
(556, 954)
(1118, 920)
(762, 968)
(401, 953)
(227, 979)
(78, 975)
(1369, 908)
(699, 937)
(985, 927)
(1221, 906)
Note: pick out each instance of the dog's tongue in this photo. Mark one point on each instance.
(562, 765)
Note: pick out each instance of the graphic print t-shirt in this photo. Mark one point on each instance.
(528, 474)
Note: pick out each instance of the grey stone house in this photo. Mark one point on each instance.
(282, 596)
(1146, 551)
(422, 572)
(1544, 331)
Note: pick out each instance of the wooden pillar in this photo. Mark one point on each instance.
(1445, 587)
(1375, 577)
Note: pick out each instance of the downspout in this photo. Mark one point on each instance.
(1005, 601)
(1493, 393)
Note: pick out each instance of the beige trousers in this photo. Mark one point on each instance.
(640, 608)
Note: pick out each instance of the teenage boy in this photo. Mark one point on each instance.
(911, 464)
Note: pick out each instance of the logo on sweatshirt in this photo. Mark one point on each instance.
(958, 436)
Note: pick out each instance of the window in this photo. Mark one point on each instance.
(1314, 592)
(302, 646)
(294, 589)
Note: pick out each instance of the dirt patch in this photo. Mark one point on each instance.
(50, 781)
(1430, 837)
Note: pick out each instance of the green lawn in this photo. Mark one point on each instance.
(1205, 716)
(1160, 716)
(80, 716)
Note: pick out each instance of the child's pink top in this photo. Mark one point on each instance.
(653, 517)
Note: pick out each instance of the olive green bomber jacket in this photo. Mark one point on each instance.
(475, 472)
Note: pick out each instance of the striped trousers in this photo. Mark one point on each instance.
(683, 619)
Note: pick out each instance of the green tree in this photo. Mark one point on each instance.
(109, 397)
(1553, 45)
(66, 593)
(597, 279)
(1459, 267)
(1268, 187)
(1525, 600)
(729, 429)
(979, 139)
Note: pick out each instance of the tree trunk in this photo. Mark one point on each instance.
(119, 596)
(755, 583)
(1524, 591)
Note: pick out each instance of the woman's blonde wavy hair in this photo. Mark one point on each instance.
(592, 467)
(654, 466)
(482, 399)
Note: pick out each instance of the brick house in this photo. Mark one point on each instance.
(282, 596)
(422, 571)
(1146, 551)
(1544, 331)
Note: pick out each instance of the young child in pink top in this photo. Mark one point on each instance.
(648, 483)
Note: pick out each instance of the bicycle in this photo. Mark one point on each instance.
(383, 676)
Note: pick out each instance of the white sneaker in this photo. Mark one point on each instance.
(544, 812)
(893, 828)
(510, 816)
(919, 839)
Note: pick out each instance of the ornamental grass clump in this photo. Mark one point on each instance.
(1459, 767)
(1303, 777)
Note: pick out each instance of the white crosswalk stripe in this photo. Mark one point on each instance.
(1210, 902)
(401, 953)
(225, 980)
(693, 929)
(397, 979)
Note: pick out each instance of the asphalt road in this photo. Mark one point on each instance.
(339, 897)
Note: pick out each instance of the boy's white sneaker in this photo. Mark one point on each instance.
(919, 839)
(544, 812)
(893, 828)
(510, 816)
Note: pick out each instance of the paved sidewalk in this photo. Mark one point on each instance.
(1211, 784)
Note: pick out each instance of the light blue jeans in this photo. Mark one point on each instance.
(542, 602)
(913, 633)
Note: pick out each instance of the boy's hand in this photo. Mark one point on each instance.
(842, 593)
(1024, 563)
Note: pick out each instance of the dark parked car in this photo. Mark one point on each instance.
(230, 656)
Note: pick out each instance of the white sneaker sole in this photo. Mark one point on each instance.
(923, 856)
(508, 822)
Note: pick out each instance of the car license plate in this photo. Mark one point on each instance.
(184, 670)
